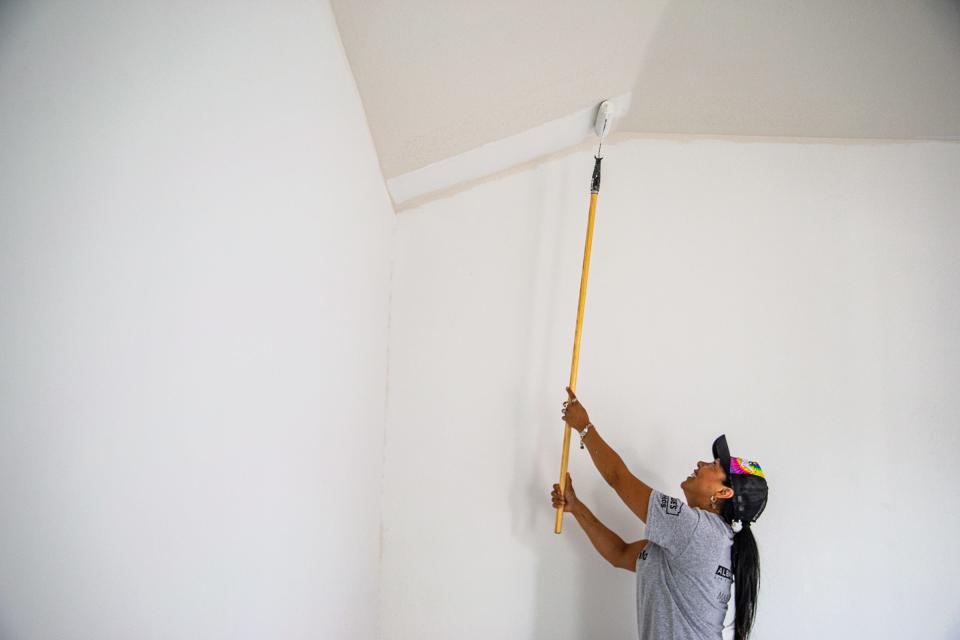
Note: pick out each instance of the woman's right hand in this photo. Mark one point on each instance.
(568, 500)
(573, 412)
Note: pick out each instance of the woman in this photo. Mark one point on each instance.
(697, 555)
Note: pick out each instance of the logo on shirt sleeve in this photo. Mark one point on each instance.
(670, 506)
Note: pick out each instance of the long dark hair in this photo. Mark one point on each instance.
(746, 574)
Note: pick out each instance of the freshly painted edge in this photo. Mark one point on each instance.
(496, 157)
(616, 138)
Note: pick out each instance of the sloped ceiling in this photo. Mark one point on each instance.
(441, 78)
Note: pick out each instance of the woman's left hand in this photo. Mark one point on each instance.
(573, 412)
(568, 499)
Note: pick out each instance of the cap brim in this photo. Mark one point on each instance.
(722, 452)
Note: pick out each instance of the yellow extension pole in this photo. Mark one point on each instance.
(581, 305)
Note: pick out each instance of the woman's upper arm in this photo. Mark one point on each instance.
(628, 559)
(634, 493)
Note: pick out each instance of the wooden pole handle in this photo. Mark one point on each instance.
(575, 364)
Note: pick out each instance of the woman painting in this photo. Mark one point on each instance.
(699, 559)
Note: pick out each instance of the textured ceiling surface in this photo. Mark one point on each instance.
(817, 68)
(438, 79)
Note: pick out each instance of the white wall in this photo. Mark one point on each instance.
(799, 297)
(194, 264)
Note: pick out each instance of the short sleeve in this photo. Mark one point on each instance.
(670, 522)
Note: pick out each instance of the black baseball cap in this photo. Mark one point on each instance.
(746, 479)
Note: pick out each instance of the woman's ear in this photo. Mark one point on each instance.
(725, 493)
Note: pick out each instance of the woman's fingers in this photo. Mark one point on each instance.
(558, 498)
(572, 409)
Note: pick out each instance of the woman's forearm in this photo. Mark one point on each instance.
(606, 542)
(607, 461)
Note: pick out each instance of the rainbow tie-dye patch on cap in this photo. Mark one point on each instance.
(742, 466)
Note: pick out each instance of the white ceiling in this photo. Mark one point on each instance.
(810, 68)
(442, 77)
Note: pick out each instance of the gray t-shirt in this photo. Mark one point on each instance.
(683, 574)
